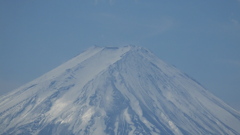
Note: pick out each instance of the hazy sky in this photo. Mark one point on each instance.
(201, 38)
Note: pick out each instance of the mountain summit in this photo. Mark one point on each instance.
(116, 91)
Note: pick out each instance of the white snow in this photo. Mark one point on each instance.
(109, 89)
(87, 115)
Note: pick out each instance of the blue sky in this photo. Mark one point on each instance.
(201, 38)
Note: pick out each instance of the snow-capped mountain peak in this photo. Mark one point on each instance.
(115, 90)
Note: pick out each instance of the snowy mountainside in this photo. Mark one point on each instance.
(115, 90)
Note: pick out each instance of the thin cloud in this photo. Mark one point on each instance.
(145, 28)
(234, 62)
(233, 25)
(235, 22)
(111, 2)
(231, 62)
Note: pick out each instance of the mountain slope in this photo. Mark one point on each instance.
(110, 90)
